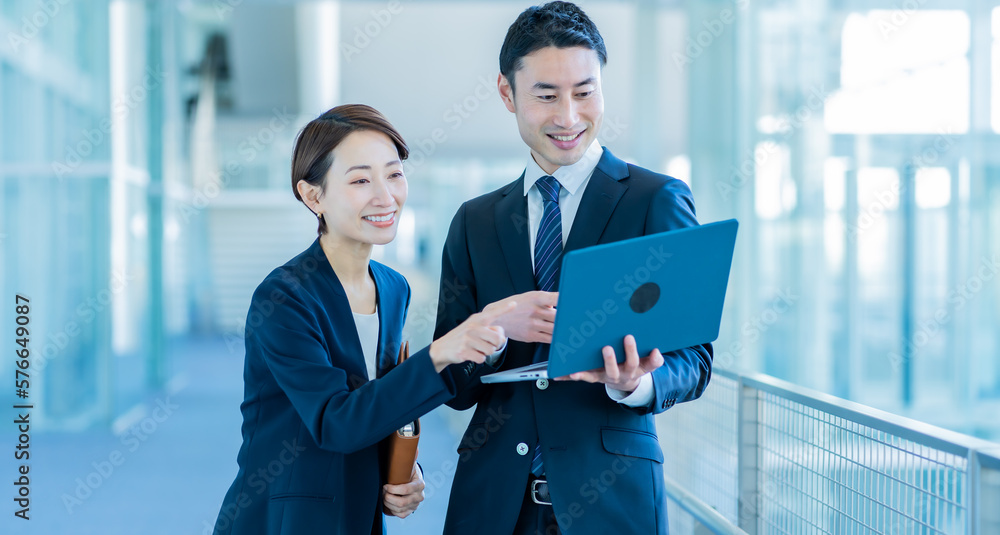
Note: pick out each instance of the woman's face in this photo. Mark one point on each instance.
(365, 189)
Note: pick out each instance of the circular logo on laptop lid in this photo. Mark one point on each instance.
(644, 297)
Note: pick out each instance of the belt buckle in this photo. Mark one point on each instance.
(536, 495)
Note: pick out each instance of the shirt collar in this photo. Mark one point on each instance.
(570, 177)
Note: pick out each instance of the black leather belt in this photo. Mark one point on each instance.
(539, 490)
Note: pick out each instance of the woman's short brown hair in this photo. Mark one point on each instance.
(313, 154)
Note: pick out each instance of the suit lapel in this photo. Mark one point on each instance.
(511, 220)
(342, 314)
(387, 317)
(603, 192)
(599, 200)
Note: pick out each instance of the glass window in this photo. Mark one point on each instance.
(775, 192)
(834, 192)
(902, 73)
(995, 56)
(933, 187)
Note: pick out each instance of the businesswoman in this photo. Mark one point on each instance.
(322, 333)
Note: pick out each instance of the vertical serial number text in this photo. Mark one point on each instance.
(22, 409)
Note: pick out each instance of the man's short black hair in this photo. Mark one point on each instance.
(558, 24)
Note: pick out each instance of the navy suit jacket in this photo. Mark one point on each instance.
(312, 419)
(602, 459)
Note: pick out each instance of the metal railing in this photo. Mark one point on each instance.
(768, 456)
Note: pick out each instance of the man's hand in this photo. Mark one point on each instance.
(402, 500)
(625, 376)
(531, 320)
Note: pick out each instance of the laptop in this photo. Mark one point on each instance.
(666, 289)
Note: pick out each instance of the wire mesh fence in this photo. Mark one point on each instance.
(777, 459)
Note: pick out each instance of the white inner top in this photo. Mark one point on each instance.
(367, 325)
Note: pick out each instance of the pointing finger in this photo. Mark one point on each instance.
(489, 316)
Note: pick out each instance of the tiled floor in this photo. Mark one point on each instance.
(169, 474)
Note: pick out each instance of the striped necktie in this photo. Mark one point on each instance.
(548, 255)
(548, 241)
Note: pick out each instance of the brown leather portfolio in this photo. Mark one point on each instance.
(402, 447)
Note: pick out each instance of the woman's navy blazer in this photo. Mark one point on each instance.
(312, 418)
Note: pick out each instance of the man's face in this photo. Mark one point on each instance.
(557, 102)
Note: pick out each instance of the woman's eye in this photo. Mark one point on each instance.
(397, 174)
(360, 181)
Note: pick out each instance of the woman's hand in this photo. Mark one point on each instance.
(473, 340)
(402, 500)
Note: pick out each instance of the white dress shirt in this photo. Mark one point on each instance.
(573, 179)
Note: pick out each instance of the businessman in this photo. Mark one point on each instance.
(578, 455)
